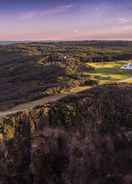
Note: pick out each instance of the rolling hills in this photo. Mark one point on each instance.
(31, 70)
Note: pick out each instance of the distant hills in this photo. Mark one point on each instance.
(7, 42)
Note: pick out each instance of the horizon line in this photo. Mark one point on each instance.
(76, 40)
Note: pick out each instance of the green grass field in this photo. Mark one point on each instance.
(110, 72)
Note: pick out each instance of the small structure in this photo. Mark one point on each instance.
(127, 67)
(55, 59)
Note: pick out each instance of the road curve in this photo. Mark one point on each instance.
(49, 99)
(44, 100)
(126, 80)
(30, 105)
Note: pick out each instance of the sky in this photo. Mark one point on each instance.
(22, 20)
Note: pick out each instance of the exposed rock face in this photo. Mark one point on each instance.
(81, 139)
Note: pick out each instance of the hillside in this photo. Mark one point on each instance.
(25, 78)
(32, 70)
(80, 139)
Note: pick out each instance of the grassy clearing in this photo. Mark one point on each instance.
(130, 81)
(109, 72)
(77, 89)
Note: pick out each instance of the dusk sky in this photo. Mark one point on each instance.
(65, 19)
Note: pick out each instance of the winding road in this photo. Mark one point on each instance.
(29, 105)
(126, 80)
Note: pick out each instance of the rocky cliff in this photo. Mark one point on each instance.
(81, 139)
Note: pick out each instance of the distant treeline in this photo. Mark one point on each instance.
(105, 58)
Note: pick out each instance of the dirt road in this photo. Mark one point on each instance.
(44, 100)
(29, 105)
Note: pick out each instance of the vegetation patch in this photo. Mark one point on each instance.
(109, 72)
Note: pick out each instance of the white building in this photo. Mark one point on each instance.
(127, 67)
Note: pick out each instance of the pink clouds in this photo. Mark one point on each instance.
(68, 36)
(35, 36)
(41, 13)
(62, 23)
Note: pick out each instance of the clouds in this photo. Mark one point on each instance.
(123, 20)
(44, 12)
(65, 19)
(76, 31)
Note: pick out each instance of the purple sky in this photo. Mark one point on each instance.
(65, 19)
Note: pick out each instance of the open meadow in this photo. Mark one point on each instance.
(107, 72)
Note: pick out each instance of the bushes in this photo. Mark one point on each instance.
(90, 82)
(85, 138)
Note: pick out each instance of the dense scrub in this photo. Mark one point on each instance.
(81, 139)
(26, 74)
(24, 78)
